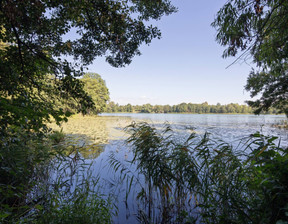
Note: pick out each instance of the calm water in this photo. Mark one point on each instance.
(230, 128)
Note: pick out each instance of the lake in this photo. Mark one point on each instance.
(230, 128)
(104, 135)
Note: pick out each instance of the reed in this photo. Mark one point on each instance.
(201, 180)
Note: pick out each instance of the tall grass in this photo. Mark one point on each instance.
(44, 182)
(198, 180)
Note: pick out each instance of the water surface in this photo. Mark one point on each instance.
(100, 136)
(229, 128)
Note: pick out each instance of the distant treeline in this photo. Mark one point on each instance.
(182, 108)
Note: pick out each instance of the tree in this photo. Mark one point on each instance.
(129, 108)
(40, 65)
(258, 29)
(36, 35)
(147, 108)
(96, 88)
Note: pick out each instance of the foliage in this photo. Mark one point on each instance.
(36, 37)
(57, 136)
(85, 205)
(96, 88)
(36, 71)
(42, 182)
(21, 162)
(258, 28)
(245, 185)
(184, 108)
(209, 181)
(168, 173)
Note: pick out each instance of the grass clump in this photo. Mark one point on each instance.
(83, 206)
(200, 180)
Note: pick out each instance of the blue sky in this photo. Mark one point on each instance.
(185, 65)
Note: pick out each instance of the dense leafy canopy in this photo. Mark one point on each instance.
(36, 40)
(258, 29)
(96, 88)
(44, 48)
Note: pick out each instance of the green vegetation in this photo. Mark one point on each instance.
(199, 180)
(203, 108)
(33, 45)
(96, 88)
(83, 206)
(57, 136)
(258, 29)
(39, 85)
(90, 130)
(45, 181)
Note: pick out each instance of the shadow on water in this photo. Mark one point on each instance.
(85, 145)
(90, 134)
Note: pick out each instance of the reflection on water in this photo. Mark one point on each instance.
(98, 137)
(90, 134)
(92, 151)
